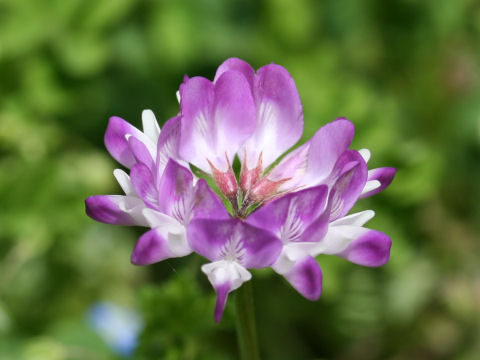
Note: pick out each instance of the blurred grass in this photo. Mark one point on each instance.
(405, 72)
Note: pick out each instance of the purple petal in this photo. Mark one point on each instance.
(279, 116)
(371, 249)
(168, 143)
(236, 65)
(105, 208)
(384, 174)
(249, 246)
(290, 215)
(349, 177)
(234, 112)
(198, 130)
(116, 142)
(306, 278)
(222, 294)
(328, 143)
(140, 152)
(151, 247)
(144, 185)
(175, 185)
(207, 203)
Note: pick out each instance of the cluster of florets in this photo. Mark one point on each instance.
(280, 214)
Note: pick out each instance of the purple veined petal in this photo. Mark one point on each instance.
(326, 146)
(175, 191)
(168, 145)
(306, 278)
(150, 125)
(233, 240)
(237, 65)
(371, 248)
(144, 185)
(225, 276)
(289, 216)
(279, 116)
(207, 204)
(383, 175)
(117, 144)
(348, 177)
(216, 119)
(124, 181)
(115, 209)
(140, 152)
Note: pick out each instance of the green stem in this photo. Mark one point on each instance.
(245, 317)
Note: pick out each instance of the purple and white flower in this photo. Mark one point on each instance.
(281, 216)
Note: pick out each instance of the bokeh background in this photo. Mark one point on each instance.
(406, 72)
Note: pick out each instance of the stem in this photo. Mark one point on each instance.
(247, 336)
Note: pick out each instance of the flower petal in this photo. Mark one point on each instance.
(306, 278)
(207, 204)
(116, 141)
(168, 143)
(384, 175)
(372, 249)
(216, 119)
(289, 216)
(140, 152)
(279, 116)
(326, 146)
(150, 125)
(357, 219)
(175, 191)
(237, 65)
(115, 209)
(357, 244)
(234, 240)
(143, 183)
(225, 276)
(123, 180)
(151, 247)
(349, 176)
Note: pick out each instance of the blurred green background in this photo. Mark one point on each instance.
(406, 72)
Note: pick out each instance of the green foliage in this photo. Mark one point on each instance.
(405, 72)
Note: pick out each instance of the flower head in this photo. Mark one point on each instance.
(281, 215)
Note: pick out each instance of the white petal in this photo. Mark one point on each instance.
(134, 206)
(124, 181)
(338, 238)
(224, 271)
(371, 185)
(365, 153)
(178, 96)
(357, 219)
(159, 220)
(150, 125)
(178, 244)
